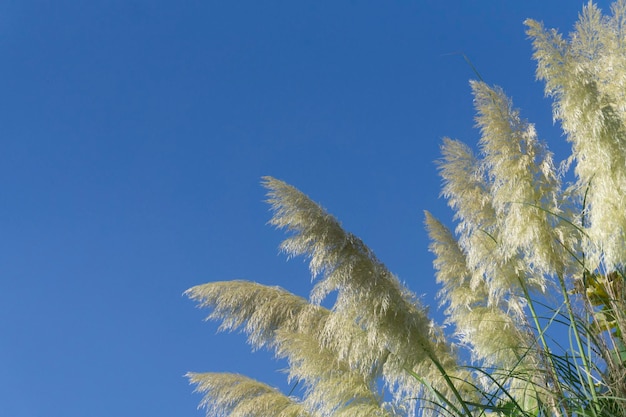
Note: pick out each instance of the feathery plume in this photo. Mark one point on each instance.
(232, 395)
(586, 76)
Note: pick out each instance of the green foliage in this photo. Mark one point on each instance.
(531, 255)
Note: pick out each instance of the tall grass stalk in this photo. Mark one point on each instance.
(537, 257)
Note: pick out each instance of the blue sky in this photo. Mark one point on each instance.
(133, 136)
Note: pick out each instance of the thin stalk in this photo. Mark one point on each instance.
(541, 333)
(449, 383)
(579, 342)
(439, 394)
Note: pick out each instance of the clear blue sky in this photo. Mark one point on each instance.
(133, 135)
